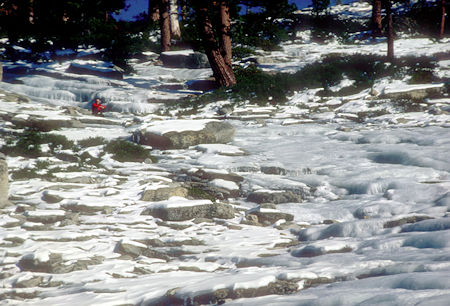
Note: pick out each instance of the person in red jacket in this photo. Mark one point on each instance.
(97, 107)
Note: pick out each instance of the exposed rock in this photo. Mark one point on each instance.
(184, 59)
(113, 72)
(32, 281)
(3, 181)
(273, 170)
(413, 92)
(180, 209)
(402, 221)
(135, 249)
(212, 175)
(45, 216)
(221, 296)
(47, 262)
(13, 97)
(51, 197)
(46, 124)
(161, 193)
(67, 157)
(313, 251)
(212, 132)
(269, 216)
(276, 197)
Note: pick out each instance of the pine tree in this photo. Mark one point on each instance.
(175, 31)
(376, 18)
(164, 22)
(442, 25)
(390, 31)
(225, 32)
(223, 73)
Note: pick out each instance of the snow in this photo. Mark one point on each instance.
(224, 184)
(366, 169)
(163, 127)
(176, 202)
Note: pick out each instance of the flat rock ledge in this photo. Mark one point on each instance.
(180, 209)
(275, 197)
(413, 92)
(211, 132)
(165, 192)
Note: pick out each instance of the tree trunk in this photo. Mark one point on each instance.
(376, 18)
(175, 31)
(225, 32)
(164, 23)
(442, 30)
(223, 73)
(390, 31)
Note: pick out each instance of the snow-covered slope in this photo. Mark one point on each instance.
(365, 179)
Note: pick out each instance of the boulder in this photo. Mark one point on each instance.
(276, 197)
(212, 174)
(3, 181)
(181, 134)
(181, 209)
(184, 59)
(51, 197)
(112, 72)
(269, 216)
(161, 193)
(135, 249)
(203, 85)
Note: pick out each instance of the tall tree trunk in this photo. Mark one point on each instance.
(390, 31)
(153, 10)
(442, 29)
(223, 73)
(164, 23)
(376, 18)
(174, 24)
(225, 32)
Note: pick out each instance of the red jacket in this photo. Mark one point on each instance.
(97, 106)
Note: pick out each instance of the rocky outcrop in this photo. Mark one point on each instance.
(413, 92)
(274, 196)
(135, 249)
(3, 181)
(184, 59)
(180, 209)
(161, 136)
(46, 262)
(112, 72)
(268, 216)
(161, 193)
(44, 124)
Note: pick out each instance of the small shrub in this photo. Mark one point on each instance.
(87, 159)
(241, 52)
(27, 145)
(91, 142)
(25, 174)
(197, 193)
(125, 151)
(57, 141)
